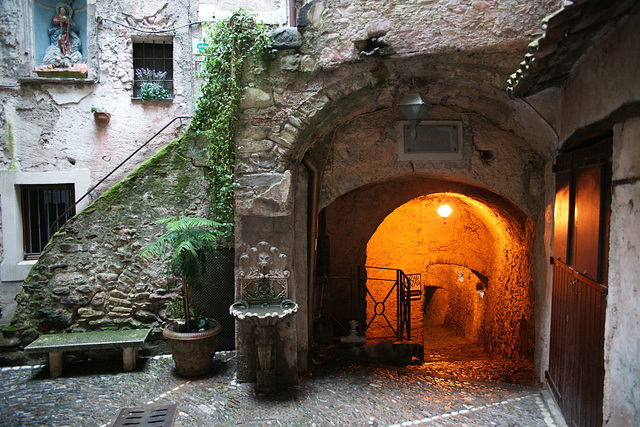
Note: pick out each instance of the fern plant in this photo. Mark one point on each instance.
(184, 245)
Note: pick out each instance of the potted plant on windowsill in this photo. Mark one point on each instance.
(152, 84)
(100, 116)
(185, 243)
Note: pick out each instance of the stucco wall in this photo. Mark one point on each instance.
(47, 125)
(622, 344)
(603, 93)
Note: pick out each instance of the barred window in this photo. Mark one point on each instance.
(42, 205)
(153, 70)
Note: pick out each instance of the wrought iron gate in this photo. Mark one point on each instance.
(576, 354)
(390, 306)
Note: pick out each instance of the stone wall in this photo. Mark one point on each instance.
(334, 100)
(91, 276)
(346, 28)
(465, 312)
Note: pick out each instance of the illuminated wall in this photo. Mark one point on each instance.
(475, 237)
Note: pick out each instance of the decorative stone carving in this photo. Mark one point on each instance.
(263, 274)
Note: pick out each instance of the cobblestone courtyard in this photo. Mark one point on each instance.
(91, 394)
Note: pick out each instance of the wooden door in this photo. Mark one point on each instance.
(581, 224)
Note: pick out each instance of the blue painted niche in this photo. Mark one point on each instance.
(44, 11)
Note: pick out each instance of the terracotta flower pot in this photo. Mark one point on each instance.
(101, 118)
(192, 351)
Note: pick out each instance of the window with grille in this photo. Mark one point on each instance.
(154, 59)
(42, 205)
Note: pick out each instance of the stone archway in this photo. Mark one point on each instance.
(394, 224)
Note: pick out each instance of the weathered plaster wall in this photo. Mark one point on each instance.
(52, 126)
(424, 26)
(46, 123)
(604, 80)
(91, 275)
(603, 93)
(622, 344)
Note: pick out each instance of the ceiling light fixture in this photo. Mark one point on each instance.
(414, 108)
(444, 211)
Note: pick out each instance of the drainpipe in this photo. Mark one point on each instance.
(292, 13)
(312, 221)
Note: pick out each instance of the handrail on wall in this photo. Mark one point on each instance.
(115, 169)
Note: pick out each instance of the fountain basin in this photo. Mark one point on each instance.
(263, 314)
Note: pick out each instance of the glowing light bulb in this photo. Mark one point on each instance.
(444, 211)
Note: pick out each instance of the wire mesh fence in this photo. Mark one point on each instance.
(219, 295)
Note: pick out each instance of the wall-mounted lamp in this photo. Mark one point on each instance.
(444, 211)
(480, 289)
(414, 108)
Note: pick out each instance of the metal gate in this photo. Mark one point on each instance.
(390, 306)
(576, 354)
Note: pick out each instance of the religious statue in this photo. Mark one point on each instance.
(64, 50)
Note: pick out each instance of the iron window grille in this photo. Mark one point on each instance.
(41, 206)
(156, 56)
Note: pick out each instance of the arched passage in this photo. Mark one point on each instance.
(394, 224)
(451, 255)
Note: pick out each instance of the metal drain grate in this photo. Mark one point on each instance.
(270, 408)
(147, 416)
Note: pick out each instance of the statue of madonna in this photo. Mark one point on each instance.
(64, 50)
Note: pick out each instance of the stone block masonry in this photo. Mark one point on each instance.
(103, 283)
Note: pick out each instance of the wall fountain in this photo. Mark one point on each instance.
(263, 305)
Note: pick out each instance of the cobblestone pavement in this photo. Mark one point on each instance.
(90, 393)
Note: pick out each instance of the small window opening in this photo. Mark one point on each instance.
(41, 206)
(153, 70)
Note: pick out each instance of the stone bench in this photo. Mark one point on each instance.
(56, 344)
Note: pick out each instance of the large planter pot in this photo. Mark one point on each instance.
(192, 351)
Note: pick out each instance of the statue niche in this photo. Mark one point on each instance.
(63, 55)
(65, 43)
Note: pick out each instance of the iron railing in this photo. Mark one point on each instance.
(51, 227)
(379, 299)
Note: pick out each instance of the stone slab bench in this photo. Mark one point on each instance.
(57, 344)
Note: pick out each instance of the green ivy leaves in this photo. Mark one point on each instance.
(229, 43)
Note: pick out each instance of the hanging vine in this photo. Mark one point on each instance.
(229, 44)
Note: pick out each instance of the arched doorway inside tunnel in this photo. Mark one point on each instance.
(470, 272)
(453, 308)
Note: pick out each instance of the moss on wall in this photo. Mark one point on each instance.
(90, 275)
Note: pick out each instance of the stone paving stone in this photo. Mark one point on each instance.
(92, 393)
